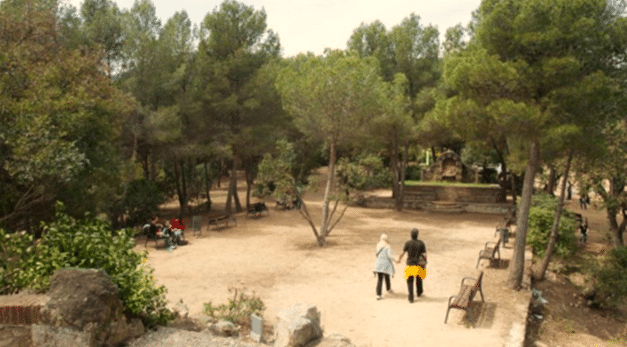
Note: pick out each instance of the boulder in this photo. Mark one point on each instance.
(180, 309)
(224, 328)
(297, 326)
(85, 304)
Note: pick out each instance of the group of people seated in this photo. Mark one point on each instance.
(171, 233)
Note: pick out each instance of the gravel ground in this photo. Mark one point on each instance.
(168, 337)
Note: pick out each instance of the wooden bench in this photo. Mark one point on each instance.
(222, 219)
(257, 209)
(489, 251)
(466, 294)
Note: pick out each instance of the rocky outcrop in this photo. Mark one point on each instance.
(84, 308)
(297, 326)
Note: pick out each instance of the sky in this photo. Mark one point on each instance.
(313, 25)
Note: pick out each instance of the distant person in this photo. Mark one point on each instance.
(383, 265)
(583, 199)
(583, 229)
(415, 250)
(569, 191)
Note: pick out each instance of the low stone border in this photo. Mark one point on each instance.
(492, 208)
(517, 333)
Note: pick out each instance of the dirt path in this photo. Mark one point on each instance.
(276, 257)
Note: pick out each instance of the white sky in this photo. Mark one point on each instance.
(313, 25)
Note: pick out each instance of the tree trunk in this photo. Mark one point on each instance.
(401, 186)
(513, 175)
(233, 187)
(249, 183)
(517, 265)
(394, 164)
(550, 187)
(207, 187)
(183, 193)
(539, 275)
(433, 158)
(327, 192)
(153, 169)
(221, 165)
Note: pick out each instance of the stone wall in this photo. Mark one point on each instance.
(17, 313)
(388, 203)
(490, 194)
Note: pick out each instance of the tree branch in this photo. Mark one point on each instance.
(305, 213)
(334, 208)
(338, 219)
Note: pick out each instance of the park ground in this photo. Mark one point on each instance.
(277, 258)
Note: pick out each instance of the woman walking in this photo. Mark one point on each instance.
(383, 266)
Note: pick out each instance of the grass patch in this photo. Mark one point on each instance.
(450, 184)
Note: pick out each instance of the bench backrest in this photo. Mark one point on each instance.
(474, 289)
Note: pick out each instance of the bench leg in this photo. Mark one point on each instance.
(447, 311)
(478, 260)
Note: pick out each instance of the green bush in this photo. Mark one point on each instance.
(366, 172)
(541, 216)
(238, 309)
(609, 277)
(142, 201)
(85, 243)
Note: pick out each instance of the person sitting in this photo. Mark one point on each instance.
(167, 235)
(178, 228)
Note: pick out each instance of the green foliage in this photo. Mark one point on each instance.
(274, 175)
(609, 277)
(238, 309)
(85, 243)
(541, 216)
(142, 201)
(366, 172)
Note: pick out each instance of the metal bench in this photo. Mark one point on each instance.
(222, 219)
(466, 294)
(489, 252)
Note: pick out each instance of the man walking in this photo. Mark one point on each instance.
(415, 249)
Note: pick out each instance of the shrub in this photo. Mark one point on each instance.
(609, 277)
(142, 201)
(238, 309)
(85, 243)
(541, 216)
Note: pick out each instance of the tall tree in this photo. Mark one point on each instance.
(522, 56)
(331, 97)
(61, 122)
(235, 44)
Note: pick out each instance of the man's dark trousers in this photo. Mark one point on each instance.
(410, 286)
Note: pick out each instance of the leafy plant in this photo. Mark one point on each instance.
(142, 201)
(541, 216)
(609, 277)
(85, 243)
(238, 309)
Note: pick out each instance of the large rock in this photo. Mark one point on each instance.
(85, 302)
(15, 336)
(297, 326)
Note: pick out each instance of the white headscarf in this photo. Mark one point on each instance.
(383, 241)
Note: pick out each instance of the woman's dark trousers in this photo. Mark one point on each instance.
(380, 282)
